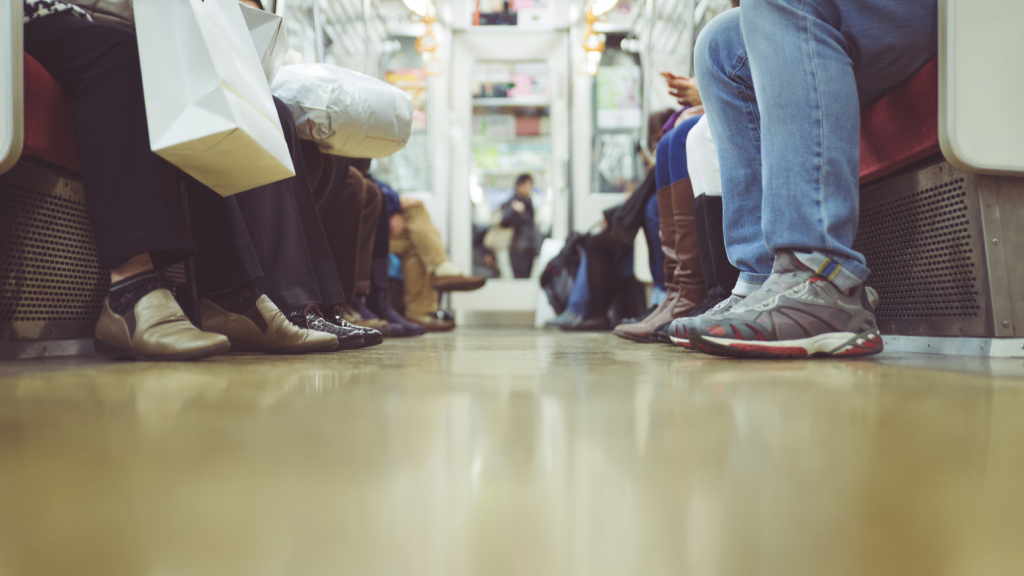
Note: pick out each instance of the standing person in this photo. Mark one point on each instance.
(783, 82)
(517, 213)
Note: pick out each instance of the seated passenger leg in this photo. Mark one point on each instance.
(131, 194)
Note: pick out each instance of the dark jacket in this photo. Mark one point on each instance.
(630, 217)
(525, 237)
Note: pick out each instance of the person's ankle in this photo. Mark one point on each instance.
(132, 267)
(126, 292)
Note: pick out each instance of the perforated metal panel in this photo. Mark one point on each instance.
(922, 236)
(50, 279)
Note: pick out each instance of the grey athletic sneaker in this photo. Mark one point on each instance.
(787, 272)
(813, 318)
(677, 330)
(566, 318)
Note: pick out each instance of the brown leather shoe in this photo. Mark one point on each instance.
(348, 313)
(155, 329)
(264, 328)
(458, 283)
(432, 322)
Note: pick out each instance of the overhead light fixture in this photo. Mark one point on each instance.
(593, 42)
(427, 43)
(601, 7)
(419, 7)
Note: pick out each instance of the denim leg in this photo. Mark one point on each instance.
(652, 226)
(580, 290)
(662, 176)
(724, 77)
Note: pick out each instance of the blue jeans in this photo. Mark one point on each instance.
(580, 294)
(652, 231)
(783, 82)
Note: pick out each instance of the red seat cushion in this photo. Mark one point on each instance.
(902, 127)
(49, 129)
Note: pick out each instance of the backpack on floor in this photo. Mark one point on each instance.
(558, 276)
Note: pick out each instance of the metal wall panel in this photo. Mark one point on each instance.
(50, 282)
(925, 235)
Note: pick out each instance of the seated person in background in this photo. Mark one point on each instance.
(791, 188)
(517, 213)
(621, 223)
(134, 200)
(607, 263)
(426, 267)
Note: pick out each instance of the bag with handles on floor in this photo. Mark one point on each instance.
(208, 104)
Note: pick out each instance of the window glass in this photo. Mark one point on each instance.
(617, 121)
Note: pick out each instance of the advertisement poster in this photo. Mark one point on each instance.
(618, 97)
(414, 82)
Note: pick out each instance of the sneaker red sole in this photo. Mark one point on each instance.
(823, 345)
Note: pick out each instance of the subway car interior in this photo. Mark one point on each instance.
(512, 287)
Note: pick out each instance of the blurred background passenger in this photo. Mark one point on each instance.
(517, 213)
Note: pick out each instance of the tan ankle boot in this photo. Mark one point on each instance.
(155, 329)
(264, 328)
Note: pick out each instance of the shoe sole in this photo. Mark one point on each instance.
(832, 344)
(681, 342)
(367, 342)
(114, 352)
(352, 345)
(647, 340)
(307, 349)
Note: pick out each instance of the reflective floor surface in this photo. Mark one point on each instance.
(512, 452)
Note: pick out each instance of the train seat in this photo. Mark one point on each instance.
(902, 127)
(49, 130)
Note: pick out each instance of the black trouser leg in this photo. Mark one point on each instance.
(605, 256)
(132, 194)
(225, 258)
(287, 236)
(724, 272)
(707, 263)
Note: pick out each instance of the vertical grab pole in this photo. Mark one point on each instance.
(366, 32)
(190, 304)
(318, 31)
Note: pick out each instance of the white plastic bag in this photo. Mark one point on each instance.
(208, 105)
(346, 113)
(269, 38)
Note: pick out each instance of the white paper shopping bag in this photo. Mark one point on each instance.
(208, 104)
(268, 36)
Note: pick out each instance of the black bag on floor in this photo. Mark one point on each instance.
(559, 275)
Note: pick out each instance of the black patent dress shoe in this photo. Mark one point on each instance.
(310, 317)
(371, 337)
(592, 324)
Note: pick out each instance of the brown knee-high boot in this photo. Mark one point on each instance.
(641, 331)
(689, 277)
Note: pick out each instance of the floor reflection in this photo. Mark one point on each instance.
(509, 452)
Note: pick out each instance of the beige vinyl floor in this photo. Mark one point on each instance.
(492, 452)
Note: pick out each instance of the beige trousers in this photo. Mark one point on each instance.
(421, 249)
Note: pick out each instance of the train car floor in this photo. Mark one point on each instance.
(512, 452)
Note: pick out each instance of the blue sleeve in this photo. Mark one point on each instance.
(391, 201)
